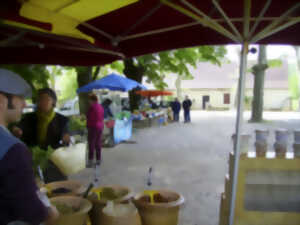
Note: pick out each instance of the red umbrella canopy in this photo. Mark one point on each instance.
(85, 32)
(153, 93)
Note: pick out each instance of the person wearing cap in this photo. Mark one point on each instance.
(44, 128)
(19, 197)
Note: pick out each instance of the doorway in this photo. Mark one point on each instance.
(205, 100)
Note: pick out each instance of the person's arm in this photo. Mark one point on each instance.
(53, 215)
(109, 112)
(16, 131)
(18, 184)
(17, 128)
(101, 113)
(89, 115)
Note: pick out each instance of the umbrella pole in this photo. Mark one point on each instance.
(239, 123)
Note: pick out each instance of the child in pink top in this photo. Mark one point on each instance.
(95, 124)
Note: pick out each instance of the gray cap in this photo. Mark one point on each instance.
(12, 83)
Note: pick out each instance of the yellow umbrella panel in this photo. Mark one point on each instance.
(66, 15)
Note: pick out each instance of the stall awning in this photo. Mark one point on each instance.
(85, 32)
(113, 82)
(153, 93)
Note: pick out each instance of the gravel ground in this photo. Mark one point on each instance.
(188, 158)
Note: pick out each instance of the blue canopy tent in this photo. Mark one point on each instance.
(113, 82)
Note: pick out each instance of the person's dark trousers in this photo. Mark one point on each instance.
(187, 117)
(94, 141)
(176, 117)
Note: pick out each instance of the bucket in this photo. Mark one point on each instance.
(261, 135)
(163, 210)
(297, 136)
(120, 214)
(261, 148)
(101, 195)
(245, 138)
(78, 205)
(282, 136)
(64, 188)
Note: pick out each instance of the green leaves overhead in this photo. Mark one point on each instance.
(273, 63)
(157, 66)
(36, 75)
(118, 66)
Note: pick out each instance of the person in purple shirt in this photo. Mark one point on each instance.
(95, 125)
(19, 198)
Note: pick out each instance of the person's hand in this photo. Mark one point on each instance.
(53, 215)
(66, 139)
(17, 131)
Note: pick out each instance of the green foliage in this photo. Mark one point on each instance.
(118, 66)
(293, 82)
(54, 72)
(273, 63)
(36, 75)
(68, 84)
(294, 86)
(248, 101)
(156, 66)
(77, 123)
(40, 157)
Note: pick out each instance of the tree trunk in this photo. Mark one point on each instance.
(96, 73)
(258, 90)
(84, 76)
(297, 49)
(34, 92)
(133, 72)
(178, 88)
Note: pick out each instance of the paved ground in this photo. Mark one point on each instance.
(188, 158)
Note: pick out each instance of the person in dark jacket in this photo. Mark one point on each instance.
(44, 128)
(19, 197)
(107, 112)
(186, 105)
(176, 106)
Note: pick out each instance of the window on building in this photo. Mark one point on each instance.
(226, 98)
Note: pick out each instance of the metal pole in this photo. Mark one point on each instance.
(205, 21)
(259, 18)
(247, 16)
(238, 127)
(277, 22)
(227, 19)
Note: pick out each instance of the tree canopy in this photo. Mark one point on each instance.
(154, 67)
(36, 75)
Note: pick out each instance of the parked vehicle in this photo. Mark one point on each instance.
(29, 108)
(70, 108)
